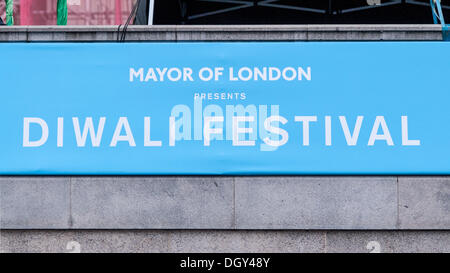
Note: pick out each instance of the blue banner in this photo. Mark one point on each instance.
(247, 108)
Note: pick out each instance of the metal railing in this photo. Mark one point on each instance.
(438, 17)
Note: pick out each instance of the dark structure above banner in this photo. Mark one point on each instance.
(289, 11)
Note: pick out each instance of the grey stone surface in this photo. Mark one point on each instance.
(34, 202)
(61, 241)
(424, 202)
(388, 241)
(332, 203)
(246, 241)
(173, 241)
(152, 202)
(224, 33)
(13, 36)
(205, 241)
(316, 203)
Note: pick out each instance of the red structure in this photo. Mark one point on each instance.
(80, 12)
